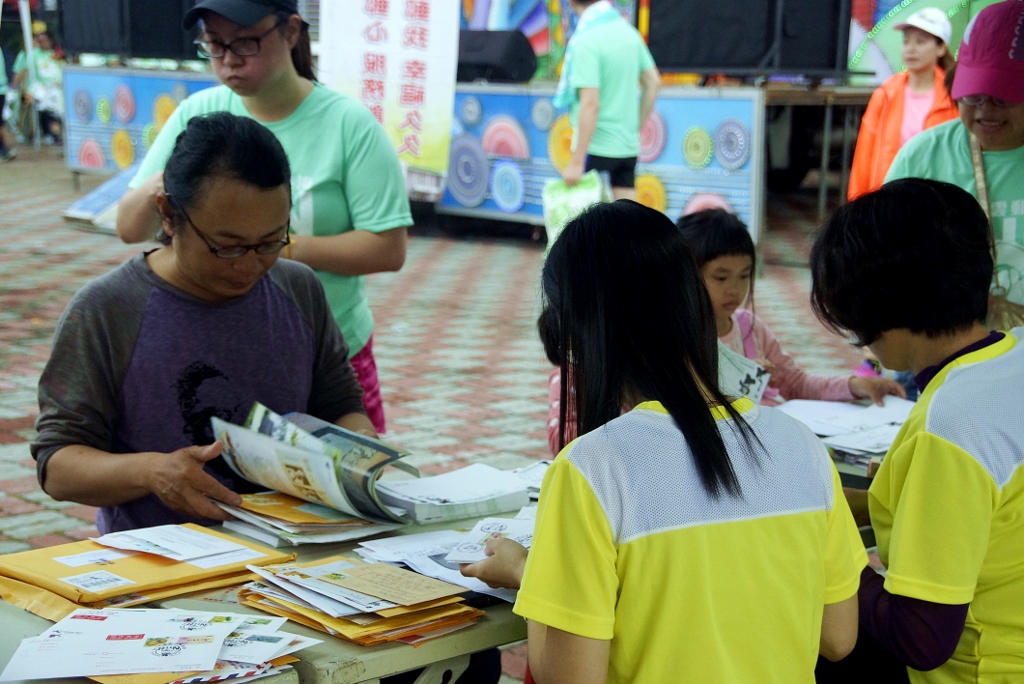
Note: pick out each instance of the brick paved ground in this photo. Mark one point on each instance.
(463, 375)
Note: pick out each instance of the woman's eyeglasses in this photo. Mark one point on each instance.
(235, 251)
(243, 47)
(977, 100)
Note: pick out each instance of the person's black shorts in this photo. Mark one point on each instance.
(3, 102)
(621, 170)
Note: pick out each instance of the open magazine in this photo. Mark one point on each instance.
(313, 460)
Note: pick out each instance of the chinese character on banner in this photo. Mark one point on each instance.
(410, 144)
(376, 8)
(412, 95)
(415, 36)
(376, 32)
(413, 120)
(374, 64)
(414, 70)
(373, 90)
(398, 58)
(417, 10)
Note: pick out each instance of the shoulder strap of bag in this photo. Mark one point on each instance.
(979, 175)
(745, 319)
(982, 189)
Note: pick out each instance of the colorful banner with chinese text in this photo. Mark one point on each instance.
(399, 58)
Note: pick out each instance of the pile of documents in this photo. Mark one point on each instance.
(279, 519)
(367, 603)
(187, 646)
(857, 432)
(469, 492)
(128, 568)
(429, 553)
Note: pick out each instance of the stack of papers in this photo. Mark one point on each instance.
(855, 430)
(204, 646)
(279, 519)
(428, 553)
(533, 476)
(471, 548)
(127, 568)
(367, 603)
(469, 492)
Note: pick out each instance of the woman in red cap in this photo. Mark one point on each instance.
(349, 205)
(908, 102)
(988, 87)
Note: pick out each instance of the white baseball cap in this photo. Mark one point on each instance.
(930, 20)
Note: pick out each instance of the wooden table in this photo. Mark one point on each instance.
(828, 97)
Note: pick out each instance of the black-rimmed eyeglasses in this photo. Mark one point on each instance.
(243, 47)
(235, 251)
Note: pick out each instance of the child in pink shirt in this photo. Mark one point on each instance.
(724, 251)
(725, 254)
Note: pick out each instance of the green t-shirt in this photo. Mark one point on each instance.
(345, 176)
(944, 153)
(610, 57)
(47, 68)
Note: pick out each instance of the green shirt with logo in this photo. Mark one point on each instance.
(944, 153)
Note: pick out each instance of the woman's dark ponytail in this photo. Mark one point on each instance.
(302, 54)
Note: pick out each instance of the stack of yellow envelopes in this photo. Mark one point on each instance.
(279, 519)
(54, 581)
(367, 603)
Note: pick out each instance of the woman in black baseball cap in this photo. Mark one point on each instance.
(249, 13)
(349, 205)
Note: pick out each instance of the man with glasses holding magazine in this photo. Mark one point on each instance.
(204, 326)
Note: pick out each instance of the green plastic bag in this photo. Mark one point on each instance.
(562, 203)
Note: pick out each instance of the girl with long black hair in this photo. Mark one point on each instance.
(695, 537)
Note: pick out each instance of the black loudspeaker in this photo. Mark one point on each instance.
(746, 36)
(495, 56)
(93, 26)
(154, 29)
(132, 28)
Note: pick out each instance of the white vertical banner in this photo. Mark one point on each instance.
(399, 58)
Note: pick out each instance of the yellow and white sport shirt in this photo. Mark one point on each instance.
(630, 547)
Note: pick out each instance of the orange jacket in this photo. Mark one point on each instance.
(879, 138)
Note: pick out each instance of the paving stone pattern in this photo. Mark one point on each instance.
(464, 377)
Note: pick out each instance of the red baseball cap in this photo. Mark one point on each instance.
(991, 59)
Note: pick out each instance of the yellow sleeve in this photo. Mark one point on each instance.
(942, 502)
(845, 555)
(570, 582)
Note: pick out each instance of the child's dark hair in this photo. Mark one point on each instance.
(226, 145)
(712, 233)
(626, 314)
(914, 254)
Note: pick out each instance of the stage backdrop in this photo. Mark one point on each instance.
(702, 147)
(113, 115)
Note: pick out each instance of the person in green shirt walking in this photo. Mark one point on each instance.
(350, 211)
(604, 61)
(7, 152)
